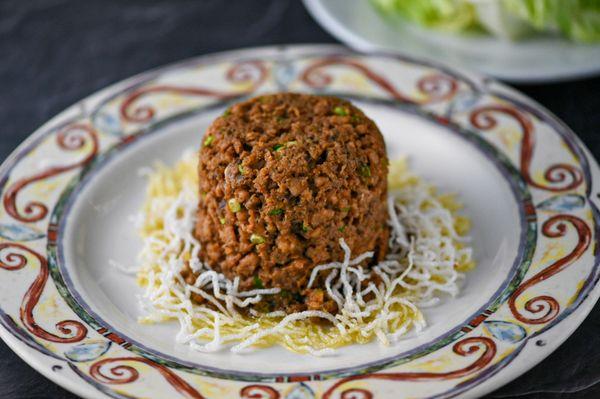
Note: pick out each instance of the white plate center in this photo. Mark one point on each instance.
(99, 229)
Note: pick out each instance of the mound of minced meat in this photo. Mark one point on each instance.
(282, 178)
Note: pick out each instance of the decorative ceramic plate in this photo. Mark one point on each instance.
(539, 58)
(528, 184)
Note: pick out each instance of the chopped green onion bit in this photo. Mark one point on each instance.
(233, 205)
(222, 220)
(209, 140)
(341, 229)
(277, 147)
(346, 209)
(257, 282)
(241, 169)
(341, 111)
(257, 239)
(305, 228)
(276, 211)
(365, 170)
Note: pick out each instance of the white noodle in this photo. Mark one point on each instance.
(422, 245)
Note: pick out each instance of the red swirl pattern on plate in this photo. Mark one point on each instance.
(464, 347)
(571, 177)
(356, 393)
(254, 72)
(11, 258)
(72, 137)
(125, 374)
(554, 227)
(437, 87)
(259, 392)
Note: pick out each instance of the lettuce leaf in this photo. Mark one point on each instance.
(579, 20)
(497, 20)
(445, 15)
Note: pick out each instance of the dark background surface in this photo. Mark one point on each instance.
(55, 52)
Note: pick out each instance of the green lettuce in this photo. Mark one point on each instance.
(578, 20)
(445, 15)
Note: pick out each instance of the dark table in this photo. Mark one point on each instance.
(55, 52)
